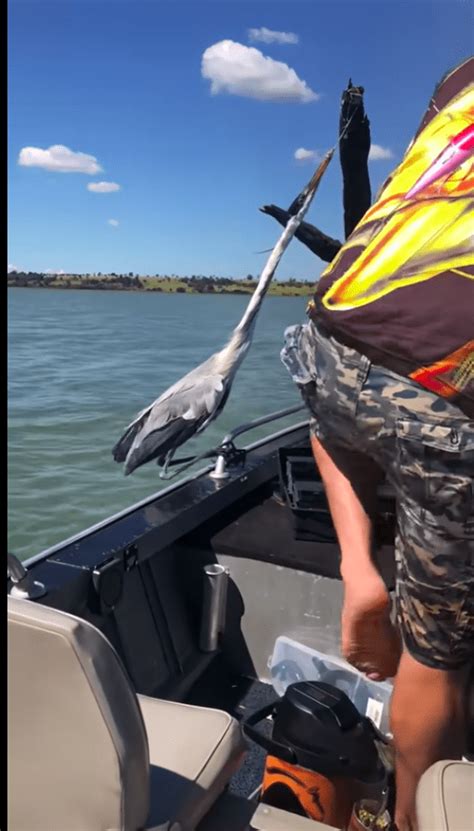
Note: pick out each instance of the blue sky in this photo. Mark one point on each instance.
(197, 122)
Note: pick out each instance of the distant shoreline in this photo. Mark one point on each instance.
(165, 285)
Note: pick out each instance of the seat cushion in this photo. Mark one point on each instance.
(445, 797)
(193, 753)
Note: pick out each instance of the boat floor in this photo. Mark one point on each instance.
(239, 696)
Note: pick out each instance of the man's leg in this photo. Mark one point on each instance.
(369, 640)
(428, 704)
(428, 725)
(434, 549)
(426, 447)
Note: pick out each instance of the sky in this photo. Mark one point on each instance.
(144, 136)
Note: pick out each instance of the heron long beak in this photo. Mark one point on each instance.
(312, 185)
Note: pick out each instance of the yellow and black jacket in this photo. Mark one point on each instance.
(401, 290)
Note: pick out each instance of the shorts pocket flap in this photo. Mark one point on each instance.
(452, 438)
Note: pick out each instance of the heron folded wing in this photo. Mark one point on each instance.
(174, 419)
(157, 444)
(191, 380)
(120, 450)
(190, 402)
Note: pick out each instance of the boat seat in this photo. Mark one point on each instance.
(194, 751)
(85, 753)
(445, 797)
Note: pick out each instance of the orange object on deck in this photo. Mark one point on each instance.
(308, 793)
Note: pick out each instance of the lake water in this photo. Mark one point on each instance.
(81, 364)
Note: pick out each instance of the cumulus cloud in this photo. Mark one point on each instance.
(59, 159)
(304, 155)
(54, 271)
(12, 267)
(377, 152)
(243, 70)
(113, 222)
(265, 35)
(103, 187)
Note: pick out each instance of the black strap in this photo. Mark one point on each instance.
(282, 751)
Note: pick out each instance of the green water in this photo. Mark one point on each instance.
(81, 364)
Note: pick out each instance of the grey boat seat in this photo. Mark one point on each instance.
(445, 797)
(85, 753)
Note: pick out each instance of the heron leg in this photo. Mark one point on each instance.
(168, 457)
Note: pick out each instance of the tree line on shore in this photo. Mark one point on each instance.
(196, 284)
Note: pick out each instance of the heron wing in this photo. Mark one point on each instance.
(177, 415)
(158, 408)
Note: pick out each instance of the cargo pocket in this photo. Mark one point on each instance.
(435, 469)
(297, 356)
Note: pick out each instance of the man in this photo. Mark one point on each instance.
(387, 369)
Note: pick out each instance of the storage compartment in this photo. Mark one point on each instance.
(292, 662)
(304, 494)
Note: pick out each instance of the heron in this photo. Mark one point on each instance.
(186, 408)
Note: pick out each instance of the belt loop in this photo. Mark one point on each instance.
(363, 371)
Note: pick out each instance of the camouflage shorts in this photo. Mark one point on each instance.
(425, 447)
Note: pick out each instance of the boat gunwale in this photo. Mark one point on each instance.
(158, 495)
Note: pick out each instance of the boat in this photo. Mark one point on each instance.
(131, 671)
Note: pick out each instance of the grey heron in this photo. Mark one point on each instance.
(187, 407)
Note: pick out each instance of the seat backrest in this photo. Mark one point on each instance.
(445, 797)
(77, 746)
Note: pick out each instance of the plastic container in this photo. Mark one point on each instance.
(292, 661)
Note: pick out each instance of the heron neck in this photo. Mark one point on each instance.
(247, 324)
(240, 340)
(242, 335)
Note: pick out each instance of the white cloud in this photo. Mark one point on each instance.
(113, 222)
(12, 267)
(54, 271)
(304, 155)
(103, 187)
(269, 36)
(377, 152)
(59, 159)
(243, 70)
